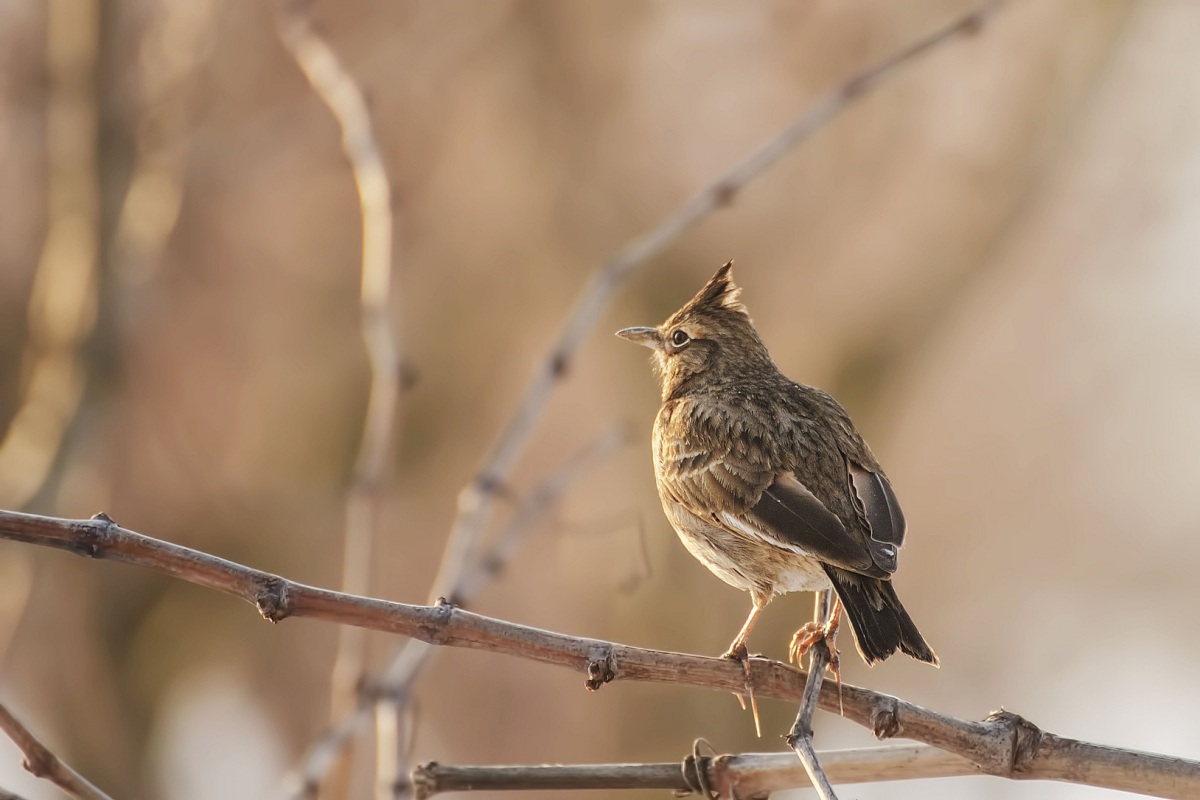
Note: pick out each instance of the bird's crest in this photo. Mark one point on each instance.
(719, 294)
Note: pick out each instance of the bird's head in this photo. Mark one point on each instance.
(711, 339)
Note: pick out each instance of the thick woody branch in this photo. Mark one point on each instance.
(1004, 744)
(42, 763)
(746, 776)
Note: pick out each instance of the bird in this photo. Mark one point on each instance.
(768, 482)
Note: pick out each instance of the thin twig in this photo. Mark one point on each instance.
(42, 763)
(1004, 744)
(402, 671)
(338, 90)
(743, 776)
(801, 735)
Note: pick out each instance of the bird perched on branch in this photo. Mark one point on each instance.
(767, 481)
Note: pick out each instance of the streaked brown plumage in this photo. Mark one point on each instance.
(767, 481)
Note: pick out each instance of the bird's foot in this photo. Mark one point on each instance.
(814, 634)
(803, 640)
(737, 652)
(810, 636)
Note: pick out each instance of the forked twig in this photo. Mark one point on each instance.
(799, 738)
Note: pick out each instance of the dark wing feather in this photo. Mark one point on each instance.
(793, 516)
(883, 515)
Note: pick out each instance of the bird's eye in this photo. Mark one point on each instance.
(680, 338)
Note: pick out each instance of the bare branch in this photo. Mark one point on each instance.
(42, 763)
(394, 685)
(1004, 744)
(433, 778)
(745, 776)
(759, 774)
(337, 89)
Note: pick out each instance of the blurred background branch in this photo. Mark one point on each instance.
(337, 88)
(63, 297)
(173, 56)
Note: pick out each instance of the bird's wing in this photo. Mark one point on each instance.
(855, 486)
(792, 517)
(739, 488)
(747, 495)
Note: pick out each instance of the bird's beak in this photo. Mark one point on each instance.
(646, 337)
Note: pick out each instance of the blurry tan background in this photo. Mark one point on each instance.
(994, 262)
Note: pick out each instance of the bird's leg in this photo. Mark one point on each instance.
(827, 618)
(737, 651)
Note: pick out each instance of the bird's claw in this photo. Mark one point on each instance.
(803, 640)
(737, 652)
(810, 635)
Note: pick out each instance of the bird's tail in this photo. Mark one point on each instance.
(881, 625)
